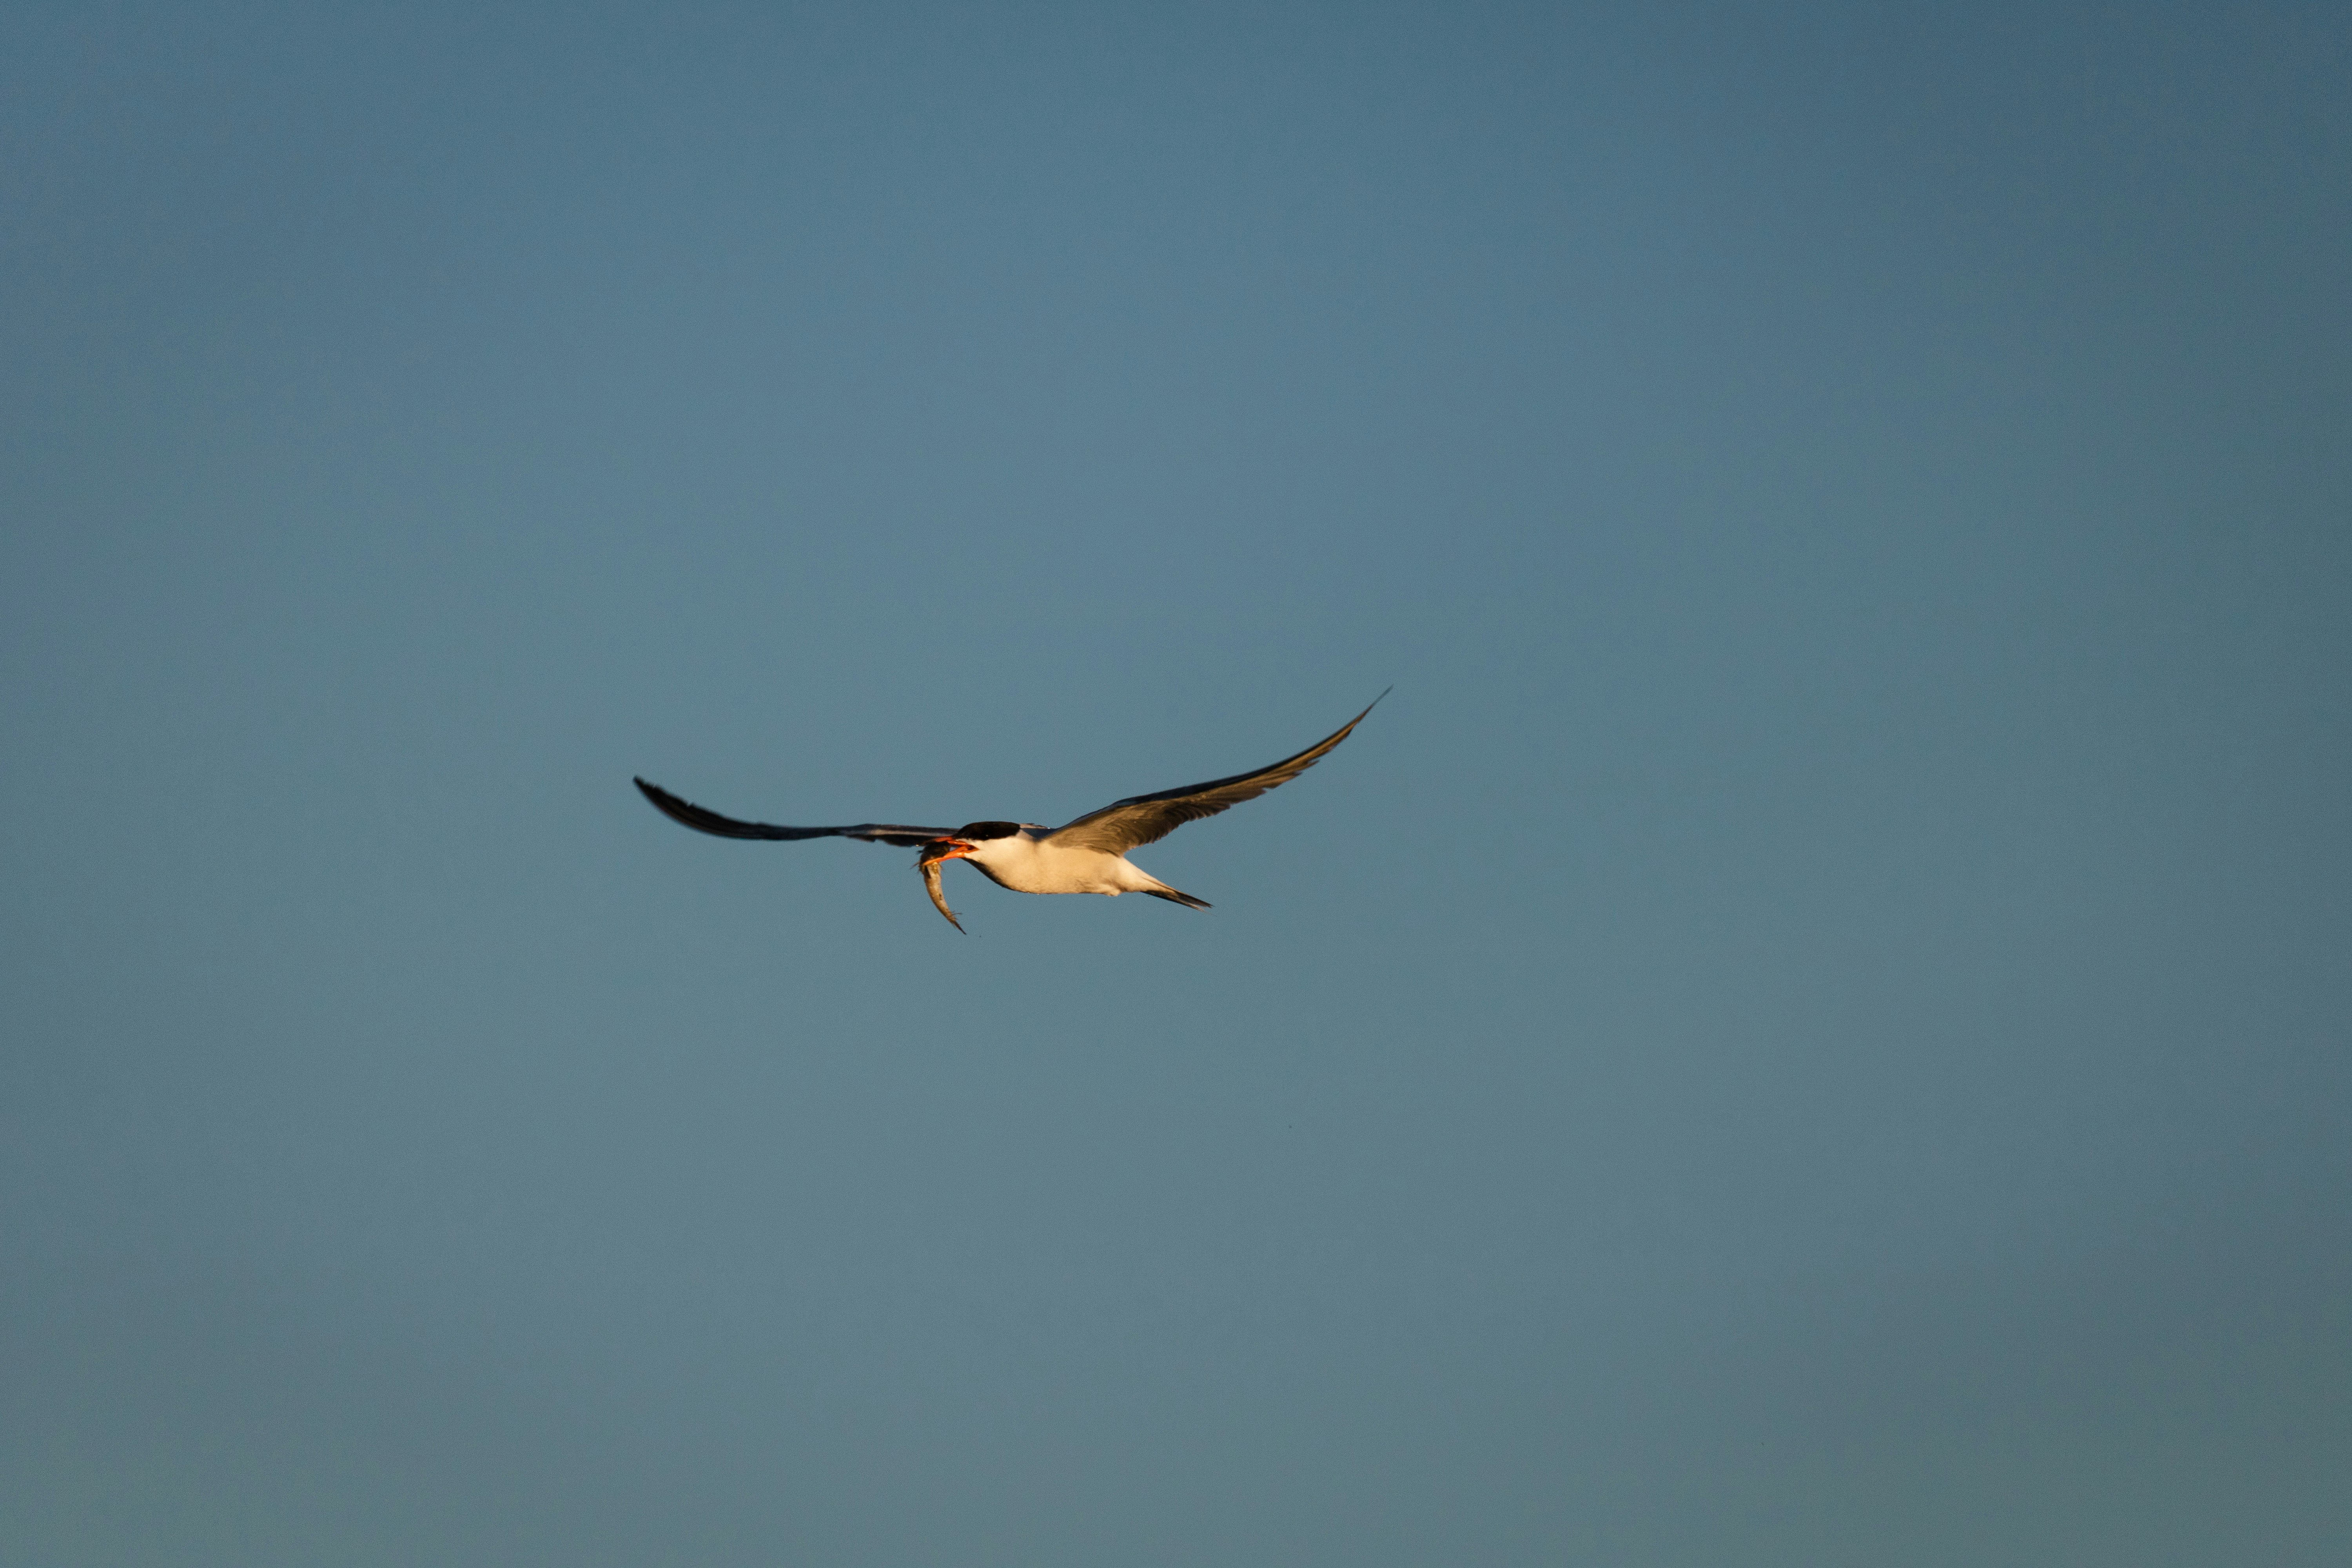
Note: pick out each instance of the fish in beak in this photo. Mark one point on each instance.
(936, 854)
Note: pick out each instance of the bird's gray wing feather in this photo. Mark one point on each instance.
(1141, 820)
(706, 821)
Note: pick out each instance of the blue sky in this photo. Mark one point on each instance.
(1811, 1029)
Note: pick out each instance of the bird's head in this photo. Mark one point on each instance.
(969, 839)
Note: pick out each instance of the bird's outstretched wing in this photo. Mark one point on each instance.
(1141, 819)
(710, 822)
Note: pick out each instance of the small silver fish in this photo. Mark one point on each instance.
(929, 868)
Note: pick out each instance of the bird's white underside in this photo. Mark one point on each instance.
(1023, 862)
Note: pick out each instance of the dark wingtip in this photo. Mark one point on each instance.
(668, 804)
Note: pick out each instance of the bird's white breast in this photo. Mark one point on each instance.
(1028, 865)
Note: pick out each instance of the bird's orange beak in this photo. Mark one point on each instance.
(940, 849)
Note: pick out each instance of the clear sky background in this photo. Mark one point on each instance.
(1811, 1029)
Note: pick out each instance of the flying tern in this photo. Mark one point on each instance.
(1087, 856)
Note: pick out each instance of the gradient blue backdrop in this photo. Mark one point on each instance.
(1811, 1029)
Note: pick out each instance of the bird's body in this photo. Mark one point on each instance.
(1029, 861)
(1087, 856)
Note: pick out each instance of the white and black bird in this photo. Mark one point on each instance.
(1087, 856)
